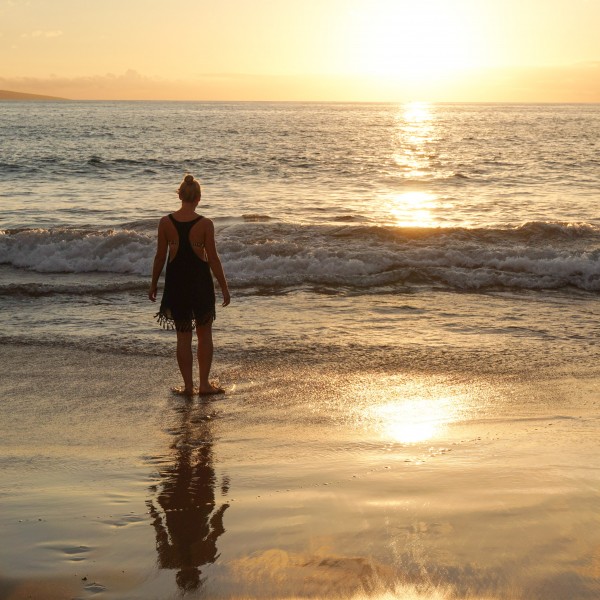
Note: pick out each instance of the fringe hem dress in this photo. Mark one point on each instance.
(189, 296)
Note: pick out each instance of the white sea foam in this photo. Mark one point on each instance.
(281, 255)
(76, 251)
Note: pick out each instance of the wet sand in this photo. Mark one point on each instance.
(310, 478)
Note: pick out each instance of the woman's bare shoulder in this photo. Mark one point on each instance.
(165, 225)
(206, 223)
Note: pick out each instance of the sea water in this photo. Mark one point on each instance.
(461, 226)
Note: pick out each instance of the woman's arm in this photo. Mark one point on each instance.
(214, 261)
(159, 259)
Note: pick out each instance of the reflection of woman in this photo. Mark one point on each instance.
(188, 526)
(188, 300)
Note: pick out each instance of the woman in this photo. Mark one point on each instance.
(188, 300)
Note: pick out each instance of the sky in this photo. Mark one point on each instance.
(331, 50)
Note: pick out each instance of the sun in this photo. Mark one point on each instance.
(420, 41)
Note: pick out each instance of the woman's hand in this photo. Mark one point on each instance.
(152, 292)
(226, 298)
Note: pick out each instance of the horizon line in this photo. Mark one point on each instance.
(60, 100)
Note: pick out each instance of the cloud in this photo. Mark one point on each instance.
(129, 85)
(132, 85)
(43, 34)
(563, 83)
(574, 83)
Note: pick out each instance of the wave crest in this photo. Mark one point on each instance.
(258, 254)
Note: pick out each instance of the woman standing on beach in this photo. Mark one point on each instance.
(188, 300)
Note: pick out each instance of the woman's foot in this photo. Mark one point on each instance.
(210, 389)
(183, 391)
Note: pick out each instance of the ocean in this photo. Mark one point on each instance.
(363, 217)
(411, 352)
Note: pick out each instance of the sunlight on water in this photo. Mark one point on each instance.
(412, 592)
(322, 574)
(410, 410)
(415, 159)
(414, 420)
(413, 209)
(398, 592)
(417, 112)
(415, 133)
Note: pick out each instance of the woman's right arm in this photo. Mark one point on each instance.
(214, 261)
(159, 259)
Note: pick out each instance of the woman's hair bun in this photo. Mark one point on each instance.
(189, 189)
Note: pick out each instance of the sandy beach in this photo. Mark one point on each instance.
(308, 479)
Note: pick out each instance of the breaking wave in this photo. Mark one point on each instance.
(267, 254)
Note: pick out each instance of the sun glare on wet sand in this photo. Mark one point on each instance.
(409, 411)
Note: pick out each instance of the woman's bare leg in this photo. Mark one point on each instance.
(185, 360)
(205, 355)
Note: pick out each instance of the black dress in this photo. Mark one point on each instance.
(189, 296)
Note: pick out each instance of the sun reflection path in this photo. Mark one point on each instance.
(414, 159)
(417, 112)
(413, 209)
(415, 132)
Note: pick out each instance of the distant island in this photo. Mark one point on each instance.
(8, 95)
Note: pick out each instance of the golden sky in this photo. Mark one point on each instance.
(346, 50)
